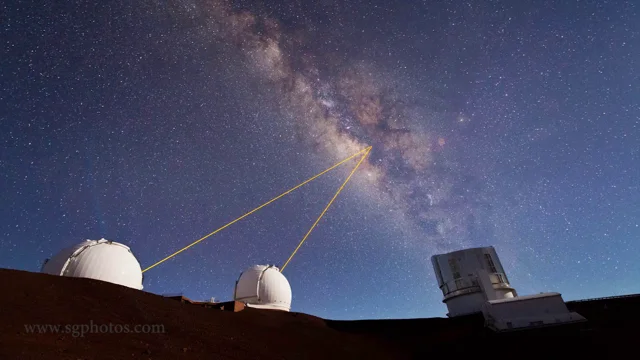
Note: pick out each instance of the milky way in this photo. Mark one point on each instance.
(492, 123)
(342, 107)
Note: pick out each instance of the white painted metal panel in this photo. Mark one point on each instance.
(98, 259)
(528, 311)
(263, 286)
(58, 262)
(247, 285)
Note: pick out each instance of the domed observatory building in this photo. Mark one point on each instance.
(263, 287)
(97, 259)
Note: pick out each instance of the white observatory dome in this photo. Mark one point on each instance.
(97, 259)
(264, 287)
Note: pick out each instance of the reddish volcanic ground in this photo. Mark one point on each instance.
(194, 332)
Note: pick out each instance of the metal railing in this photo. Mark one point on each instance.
(468, 283)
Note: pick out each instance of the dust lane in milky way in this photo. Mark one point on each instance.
(492, 123)
(340, 107)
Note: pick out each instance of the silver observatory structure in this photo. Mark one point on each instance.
(263, 287)
(102, 259)
(470, 277)
(474, 281)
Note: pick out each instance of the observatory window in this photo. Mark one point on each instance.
(445, 288)
(492, 266)
(455, 270)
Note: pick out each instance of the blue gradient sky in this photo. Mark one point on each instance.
(492, 123)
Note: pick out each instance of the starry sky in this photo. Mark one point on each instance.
(152, 123)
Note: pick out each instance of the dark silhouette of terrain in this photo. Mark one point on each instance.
(191, 331)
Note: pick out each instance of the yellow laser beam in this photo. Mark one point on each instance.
(326, 208)
(258, 208)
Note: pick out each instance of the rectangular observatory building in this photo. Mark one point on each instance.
(468, 278)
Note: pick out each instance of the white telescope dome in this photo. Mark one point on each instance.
(264, 287)
(97, 259)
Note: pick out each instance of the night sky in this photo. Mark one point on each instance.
(152, 123)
